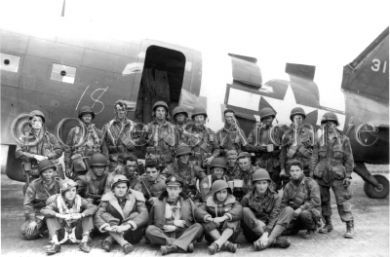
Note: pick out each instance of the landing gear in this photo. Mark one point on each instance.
(375, 186)
(380, 191)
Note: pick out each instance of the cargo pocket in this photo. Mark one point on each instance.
(339, 172)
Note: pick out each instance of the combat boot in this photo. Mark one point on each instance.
(281, 242)
(350, 230)
(52, 249)
(327, 227)
(167, 249)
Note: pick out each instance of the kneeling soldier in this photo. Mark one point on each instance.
(221, 214)
(38, 191)
(69, 214)
(260, 211)
(123, 214)
(300, 206)
(172, 220)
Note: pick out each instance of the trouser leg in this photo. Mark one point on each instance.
(189, 235)
(53, 225)
(306, 221)
(31, 234)
(135, 236)
(157, 236)
(343, 196)
(252, 227)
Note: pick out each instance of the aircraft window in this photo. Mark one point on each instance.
(63, 73)
(9, 62)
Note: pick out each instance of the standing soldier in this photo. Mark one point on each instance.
(116, 135)
(186, 170)
(260, 211)
(231, 136)
(37, 145)
(180, 117)
(297, 143)
(300, 207)
(38, 191)
(76, 158)
(333, 162)
(221, 214)
(201, 139)
(68, 212)
(172, 220)
(162, 136)
(123, 214)
(260, 140)
(92, 184)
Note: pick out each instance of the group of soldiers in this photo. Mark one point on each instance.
(187, 183)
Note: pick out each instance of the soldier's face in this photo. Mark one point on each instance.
(296, 172)
(298, 119)
(87, 118)
(199, 120)
(70, 195)
(120, 190)
(151, 173)
(47, 175)
(120, 111)
(184, 158)
(218, 172)
(232, 160)
(160, 113)
(36, 122)
(174, 192)
(229, 118)
(131, 168)
(268, 121)
(261, 186)
(180, 118)
(221, 195)
(99, 171)
(244, 164)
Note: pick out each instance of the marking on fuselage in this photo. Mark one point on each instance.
(98, 97)
(81, 97)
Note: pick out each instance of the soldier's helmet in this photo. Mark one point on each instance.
(85, 110)
(244, 155)
(179, 109)
(266, 112)
(67, 184)
(260, 174)
(160, 104)
(119, 179)
(199, 110)
(232, 154)
(228, 110)
(174, 181)
(98, 160)
(219, 185)
(183, 149)
(297, 111)
(44, 165)
(38, 113)
(330, 116)
(218, 162)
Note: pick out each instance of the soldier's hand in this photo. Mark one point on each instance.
(347, 182)
(61, 216)
(261, 148)
(108, 229)
(31, 227)
(122, 228)
(264, 240)
(179, 223)
(40, 158)
(169, 228)
(219, 219)
(297, 212)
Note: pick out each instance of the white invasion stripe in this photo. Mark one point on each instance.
(244, 99)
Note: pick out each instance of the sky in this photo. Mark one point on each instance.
(327, 34)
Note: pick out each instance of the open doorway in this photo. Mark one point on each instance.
(162, 79)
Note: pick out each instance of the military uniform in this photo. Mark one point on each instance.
(47, 145)
(116, 138)
(242, 182)
(134, 181)
(180, 127)
(303, 194)
(205, 184)
(92, 187)
(256, 207)
(231, 139)
(164, 212)
(333, 162)
(152, 188)
(130, 210)
(35, 199)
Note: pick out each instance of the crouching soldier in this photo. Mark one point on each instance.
(260, 211)
(221, 215)
(70, 215)
(38, 191)
(300, 206)
(123, 214)
(92, 184)
(172, 220)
